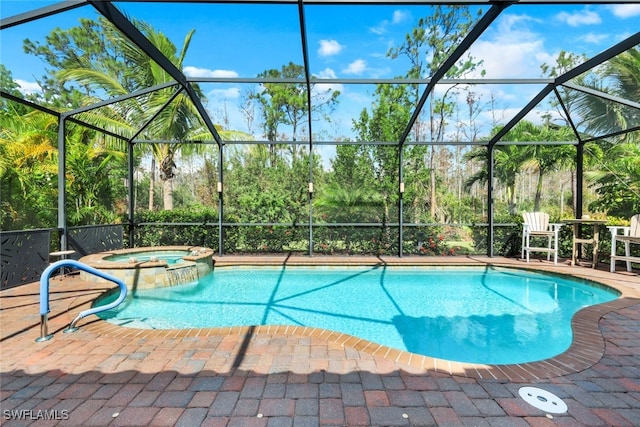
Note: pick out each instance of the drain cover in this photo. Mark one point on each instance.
(543, 400)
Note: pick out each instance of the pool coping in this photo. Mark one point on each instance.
(586, 349)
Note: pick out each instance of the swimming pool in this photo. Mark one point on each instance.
(479, 315)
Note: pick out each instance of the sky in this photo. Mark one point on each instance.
(344, 41)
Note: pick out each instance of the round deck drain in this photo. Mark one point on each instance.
(543, 400)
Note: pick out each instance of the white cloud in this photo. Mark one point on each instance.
(28, 88)
(219, 94)
(400, 16)
(379, 29)
(205, 72)
(516, 59)
(329, 48)
(356, 67)
(625, 10)
(375, 73)
(512, 51)
(584, 17)
(594, 38)
(327, 73)
(515, 27)
(623, 36)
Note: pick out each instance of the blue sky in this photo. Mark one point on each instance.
(344, 42)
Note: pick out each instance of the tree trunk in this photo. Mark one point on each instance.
(536, 202)
(152, 182)
(167, 194)
(574, 192)
(432, 183)
(511, 197)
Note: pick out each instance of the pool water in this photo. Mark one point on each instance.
(479, 315)
(170, 257)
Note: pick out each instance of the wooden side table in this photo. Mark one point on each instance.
(578, 241)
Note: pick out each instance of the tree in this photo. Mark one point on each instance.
(511, 160)
(286, 103)
(566, 61)
(508, 162)
(349, 203)
(95, 173)
(544, 157)
(617, 177)
(28, 168)
(350, 195)
(618, 186)
(116, 66)
(87, 43)
(8, 85)
(385, 122)
(620, 77)
(427, 47)
(567, 104)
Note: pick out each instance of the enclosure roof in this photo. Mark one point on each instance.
(348, 46)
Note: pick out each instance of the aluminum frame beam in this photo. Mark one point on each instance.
(603, 95)
(464, 46)
(120, 98)
(607, 54)
(307, 75)
(129, 30)
(42, 12)
(58, 114)
(389, 2)
(393, 81)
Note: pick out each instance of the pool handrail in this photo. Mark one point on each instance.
(44, 295)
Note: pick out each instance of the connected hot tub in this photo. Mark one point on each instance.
(152, 267)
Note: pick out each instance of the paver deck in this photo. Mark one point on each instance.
(104, 374)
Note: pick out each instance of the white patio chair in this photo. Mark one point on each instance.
(630, 236)
(536, 226)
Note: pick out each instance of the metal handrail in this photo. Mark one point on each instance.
(44, 295)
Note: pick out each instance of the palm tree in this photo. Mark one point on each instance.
(617, 177)
(175, 123)
(28, 166)
(348, 203)
(544, 157)
(619, 77)
(508, 161)
(618, 181)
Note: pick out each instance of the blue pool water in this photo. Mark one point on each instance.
(170, 257)
(480, 315)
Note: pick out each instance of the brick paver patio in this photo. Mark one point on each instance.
(103, 374)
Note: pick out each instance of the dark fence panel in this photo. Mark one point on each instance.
(23, 256)
(95, 238)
